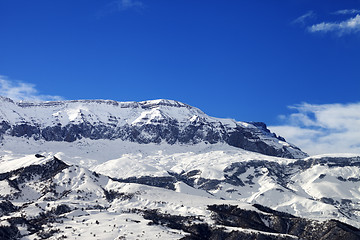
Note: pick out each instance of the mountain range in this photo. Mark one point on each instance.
(161, 169)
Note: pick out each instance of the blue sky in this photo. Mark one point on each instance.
(251, 60)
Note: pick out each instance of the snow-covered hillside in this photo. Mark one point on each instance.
(156, 121)
(181, 176)
(45, 198)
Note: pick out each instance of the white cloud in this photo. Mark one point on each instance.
(328, 128)
(20, 91)
(303, 18)
(351, 25)
(347, 12)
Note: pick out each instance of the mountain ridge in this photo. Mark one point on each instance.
(153, 121)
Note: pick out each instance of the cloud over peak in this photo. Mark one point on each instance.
(327, 128)
(21, 91)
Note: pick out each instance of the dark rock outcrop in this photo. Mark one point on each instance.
(163, 182)
(282, 223)
(266, 224)
(43, 171)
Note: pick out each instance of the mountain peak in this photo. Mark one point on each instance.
(152, 121)
(163, 102)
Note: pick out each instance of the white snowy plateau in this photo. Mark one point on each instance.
(161, 169)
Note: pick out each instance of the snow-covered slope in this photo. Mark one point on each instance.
(50, 199)
(156, 121)
(322, 187)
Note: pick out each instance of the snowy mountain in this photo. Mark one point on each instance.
(46, 198)
(178, 177)
(157, 121)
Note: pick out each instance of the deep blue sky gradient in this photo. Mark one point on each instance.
(246, 59)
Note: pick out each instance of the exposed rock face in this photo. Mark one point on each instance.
(43, 172)
(154, 121)
(278, 222)
(265, 223)
(6, 207)
(163, 182)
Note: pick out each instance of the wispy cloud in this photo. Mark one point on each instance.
(302, 19)
(128, 4)
(21, 91)
(351, 25)
(318, 129)
(347, 12)
(120, 6)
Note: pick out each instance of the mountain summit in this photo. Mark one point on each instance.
(155, 121)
